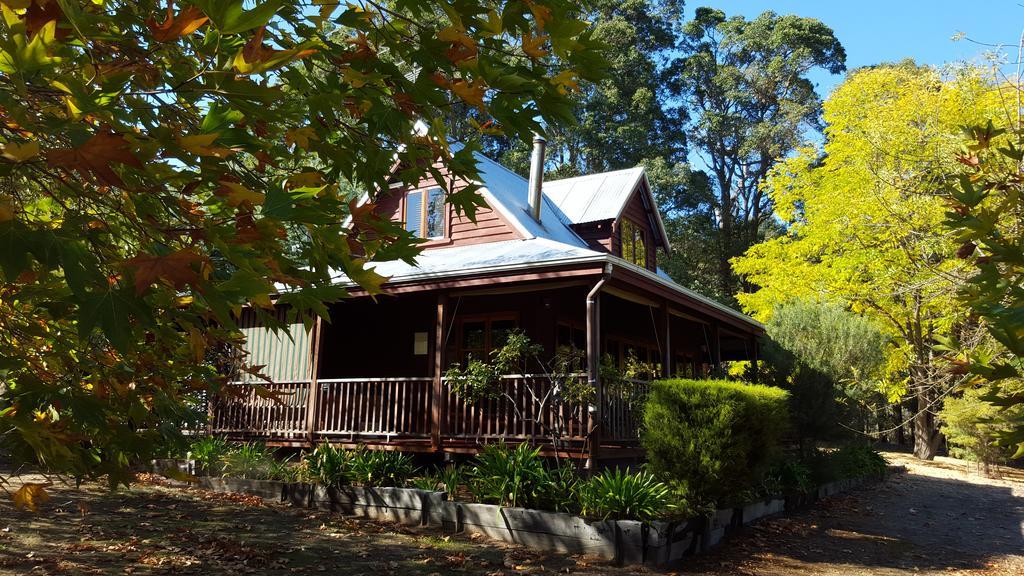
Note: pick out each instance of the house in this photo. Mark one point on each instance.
(571, 262)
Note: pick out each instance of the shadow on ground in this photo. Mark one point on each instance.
(154, 530)
(930, 520)
(926, 520)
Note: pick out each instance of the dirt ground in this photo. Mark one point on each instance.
(935, 518)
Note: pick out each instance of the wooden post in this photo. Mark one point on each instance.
(437, 396)
(716, 351)
(594, 370)
(666, 320)
(753, 359)
(313, 395)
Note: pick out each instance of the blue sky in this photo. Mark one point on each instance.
(874, 31)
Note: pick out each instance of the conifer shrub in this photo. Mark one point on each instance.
(713, 440)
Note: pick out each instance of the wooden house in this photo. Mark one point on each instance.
(570, 262)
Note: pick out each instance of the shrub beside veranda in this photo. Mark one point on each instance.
(713, 440)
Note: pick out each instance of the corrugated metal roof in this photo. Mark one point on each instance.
(593, 197)
(441, 262)
(509, 192)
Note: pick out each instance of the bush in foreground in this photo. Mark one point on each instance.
(618, 495)
(713, 439)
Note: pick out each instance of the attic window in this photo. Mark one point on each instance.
(634, 243)
(424, 213)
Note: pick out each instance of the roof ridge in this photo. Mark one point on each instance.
(595, 174)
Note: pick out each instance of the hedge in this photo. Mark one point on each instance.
(713, 439)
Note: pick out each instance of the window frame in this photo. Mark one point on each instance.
(424, 215)
(638, 234)
(487, 319)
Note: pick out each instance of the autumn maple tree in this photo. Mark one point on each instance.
(164, 164)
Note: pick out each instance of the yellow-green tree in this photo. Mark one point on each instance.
(864, 218)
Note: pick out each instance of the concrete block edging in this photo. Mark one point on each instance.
(626, 542)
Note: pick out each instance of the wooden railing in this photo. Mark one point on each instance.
(377, 407)
(623, 411)
(389, 409)
(516, 413)
(241, 412)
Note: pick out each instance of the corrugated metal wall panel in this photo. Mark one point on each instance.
(285, 355)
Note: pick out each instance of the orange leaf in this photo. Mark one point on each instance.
(532, 45)
(471, 92)
(188, 21)
(30, 496)
(93, 159)
(177, 269)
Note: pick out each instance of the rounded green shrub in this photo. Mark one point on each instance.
(713, 440)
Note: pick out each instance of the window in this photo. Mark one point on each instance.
(479, 336)
(634, 245)
(571, 334)
(424, 213)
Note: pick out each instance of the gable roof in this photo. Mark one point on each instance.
(594, 197)
(507, 192)
(604, 196)
(550, 242)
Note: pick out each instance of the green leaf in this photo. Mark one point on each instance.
(230, 17)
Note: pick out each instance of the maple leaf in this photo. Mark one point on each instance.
(471, 92)
(93, 159)
(255, 57)
(532, 45)
(565, 81)
(186, 22)
(300, 137)
(30, 496)
(177, 269)
(236, 194)
(542, 14)
(463, 47)
(363, 50)
(42, 12)
(20, 152)
(202, 145)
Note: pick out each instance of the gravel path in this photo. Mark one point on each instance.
(937, 518)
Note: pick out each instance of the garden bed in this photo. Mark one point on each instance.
(622, 541)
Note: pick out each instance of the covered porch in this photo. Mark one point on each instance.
(374, 375)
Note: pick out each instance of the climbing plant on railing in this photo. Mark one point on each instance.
(558, 394)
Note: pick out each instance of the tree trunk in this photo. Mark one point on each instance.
(927, 437)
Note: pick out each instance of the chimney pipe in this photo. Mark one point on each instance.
(536, 175)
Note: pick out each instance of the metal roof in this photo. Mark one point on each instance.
(477, 258)
(594, 197)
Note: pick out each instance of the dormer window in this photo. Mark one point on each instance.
(424, 213)
(634, 243)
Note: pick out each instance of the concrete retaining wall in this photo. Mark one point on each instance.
(623, 541)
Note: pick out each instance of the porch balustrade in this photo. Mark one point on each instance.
(396, 409)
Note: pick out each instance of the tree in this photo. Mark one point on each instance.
(987, 217)
(628, 117)
(864, 219)
(751, 102)
(154, 154)
(828, 359)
